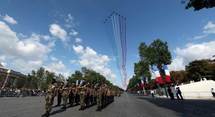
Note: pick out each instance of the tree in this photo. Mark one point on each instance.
(40, 75)
(142, 69)
(159, 55)
(133, 82)
(210, 73)
(76, 76)
(196, 70)
(143, 51)
(200, 4)
(20, 82)
(179, 76)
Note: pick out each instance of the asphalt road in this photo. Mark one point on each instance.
(125, 106)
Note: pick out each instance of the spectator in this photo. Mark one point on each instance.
(153, 93)
(213, 92)
(170, 93)
(178, 93)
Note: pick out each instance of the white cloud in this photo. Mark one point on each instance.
(57, 31)
(69, 21)
(3, 64)
(57, 66)
(192, 52)
(2, 61)
(209, 28)
(78, 40)
(91, 59)
(73, 32)
(79, 49)
(2, 58)
(9, 19)
(23, 54)
(53, 58)
(200, 36)
(73, 61)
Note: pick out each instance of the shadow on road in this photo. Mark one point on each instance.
(61, 110)
(57, 111)
(186, 108)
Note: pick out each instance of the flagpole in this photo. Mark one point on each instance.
(6, 79)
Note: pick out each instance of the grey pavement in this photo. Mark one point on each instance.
(125, 106)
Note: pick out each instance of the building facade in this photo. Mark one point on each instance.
(13, 77)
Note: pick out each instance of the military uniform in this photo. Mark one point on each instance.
(95, 96)
(87, 97)
(59, 96)
(108, 97)
(65, 94)
(82, 98)
(77, 96)
(99, 98)
(71, 96)
(49, 100)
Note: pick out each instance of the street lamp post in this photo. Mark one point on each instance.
(7, 77)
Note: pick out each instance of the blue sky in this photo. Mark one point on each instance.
(64, 35)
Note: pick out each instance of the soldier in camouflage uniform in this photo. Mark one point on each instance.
(49, 98)
(77, 96)
(71, 95)
(65, 95)
(87, 96)
(82, 94)
(92, 95)
(59, 94)
(99, 98)
(95, 95)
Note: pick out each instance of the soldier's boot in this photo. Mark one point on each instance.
(64, 107)
(81, 108)
(99, 108)
(46, 114)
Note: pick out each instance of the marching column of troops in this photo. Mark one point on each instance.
(84, 95)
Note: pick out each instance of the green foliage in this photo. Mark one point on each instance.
(142, 69)
(90, 76)
(195, 71)
(158, 53)
(143, 51)
(133, 82)
(76, 76)
(200, 4)
(20, 82)
(199, 69)
(39, 79)
(179, 76)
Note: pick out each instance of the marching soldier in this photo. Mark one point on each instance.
(59, 95)
(99, 98)
(95, 95)
(82, 97)
(108, 99)
(92, 102)
(87, 96)
(77, 96)
(65, 94)
(49, 98)
(71, 95)
(104, 95)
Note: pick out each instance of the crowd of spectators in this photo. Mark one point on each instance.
(14, 92)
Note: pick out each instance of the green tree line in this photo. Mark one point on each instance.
(41, 78)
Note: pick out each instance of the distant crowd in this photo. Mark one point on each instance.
(14, 92)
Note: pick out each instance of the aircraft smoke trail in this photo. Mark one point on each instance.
(119, 31)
